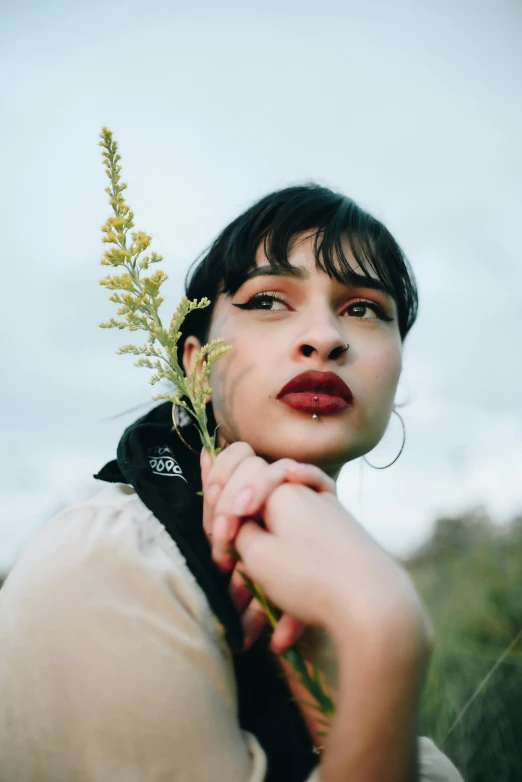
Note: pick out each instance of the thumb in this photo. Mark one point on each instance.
(260, 553)
(254, 546)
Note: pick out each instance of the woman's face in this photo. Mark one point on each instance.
(296, 323)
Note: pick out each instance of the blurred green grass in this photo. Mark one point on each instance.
(470, 577)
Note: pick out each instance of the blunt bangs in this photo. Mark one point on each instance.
(335, 221)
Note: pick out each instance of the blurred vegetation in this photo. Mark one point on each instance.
(470, 577)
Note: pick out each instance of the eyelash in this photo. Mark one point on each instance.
(250, 304)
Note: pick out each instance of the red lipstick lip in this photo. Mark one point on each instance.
(321, 392)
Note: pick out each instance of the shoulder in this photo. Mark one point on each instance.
(102, 593)
(110, 652)
(110, 544)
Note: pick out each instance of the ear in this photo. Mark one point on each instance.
(191, 347)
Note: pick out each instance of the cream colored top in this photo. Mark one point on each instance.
(112, 665)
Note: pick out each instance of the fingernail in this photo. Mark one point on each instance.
(212, 493)
(241, 504)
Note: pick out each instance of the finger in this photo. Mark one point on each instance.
(230, 507)
(312, 476)
(254, 620)
(205, 461)
(238, 590)
(225, 530)
(210, 498)
(287, 632)
(228, 460)
(263, 483)
(217, 477)
(247, 491)
(258, 551)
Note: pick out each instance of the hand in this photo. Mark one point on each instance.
(236, 485)
(314, 561)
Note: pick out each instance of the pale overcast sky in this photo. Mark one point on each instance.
(411, 108)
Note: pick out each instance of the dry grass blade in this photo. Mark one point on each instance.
(483, 683)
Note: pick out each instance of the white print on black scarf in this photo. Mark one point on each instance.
(162, 462)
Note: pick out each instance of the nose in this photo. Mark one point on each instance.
(323, 340)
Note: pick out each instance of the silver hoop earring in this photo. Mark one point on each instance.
(385, 467)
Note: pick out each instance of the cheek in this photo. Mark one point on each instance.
(378, 379)
(234, 380)
(382, 373)
(393, 367)
(237, 375)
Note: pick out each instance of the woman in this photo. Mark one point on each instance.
(128, 649)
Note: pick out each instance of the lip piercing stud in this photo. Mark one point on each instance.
(315, 416)
(316, 398)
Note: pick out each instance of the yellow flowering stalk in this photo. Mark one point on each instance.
(139, 300)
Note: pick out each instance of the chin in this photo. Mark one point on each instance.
(328, 450)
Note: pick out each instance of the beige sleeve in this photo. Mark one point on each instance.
(113, 667)
(433, 765)
(106, 672)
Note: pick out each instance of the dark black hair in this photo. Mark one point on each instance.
(274, 221)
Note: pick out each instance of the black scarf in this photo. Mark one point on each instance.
(166, 476)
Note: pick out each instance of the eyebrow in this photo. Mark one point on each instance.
(300, 273)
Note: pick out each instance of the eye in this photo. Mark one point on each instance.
(267, 301)
(366, 310)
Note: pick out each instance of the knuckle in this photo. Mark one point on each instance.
(240, 448)
(282, 496)
(248, 469)
(286, 463)
(287, 466)
(229, 460)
